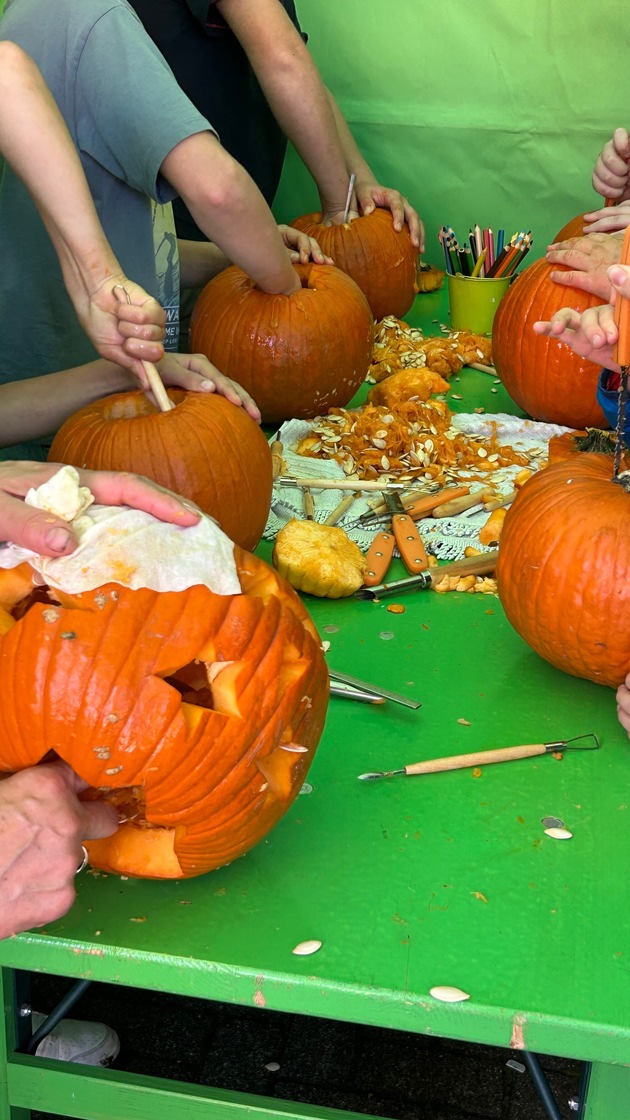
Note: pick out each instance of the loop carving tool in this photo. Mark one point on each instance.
(484, 758)
(621, 355)
(405, 535)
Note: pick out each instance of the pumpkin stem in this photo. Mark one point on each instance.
(596, 441)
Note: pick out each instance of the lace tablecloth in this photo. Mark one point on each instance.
(445, 537)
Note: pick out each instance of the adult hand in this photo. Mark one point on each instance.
(587, 258)
(371, 195)
(623, 704)
(52, 536)
(610, 175)
(302, 248)
(42, 827)
(196, 373)
(124, 323)
(608, 219)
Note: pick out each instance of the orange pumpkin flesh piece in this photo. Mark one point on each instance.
(563, 573)
(196, 714)
(205, 448)
(297, 355)
(543, 376)
(381, 260)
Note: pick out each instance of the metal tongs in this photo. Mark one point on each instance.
(351, 688)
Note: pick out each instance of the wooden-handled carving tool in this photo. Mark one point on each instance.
(277, 462)
(483, 758)
(459, 505)
(621, 355)
(481, 565)
(421, 505)
(343, 507)
(309, 505)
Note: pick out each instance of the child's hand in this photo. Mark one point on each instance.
(588, 258)
(124, 323)
(197, 374)
(371, 195)
(610, 175)
(302, 248)
(623, 704)
(591, 334)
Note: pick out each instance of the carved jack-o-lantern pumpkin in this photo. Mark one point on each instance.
(196, 714)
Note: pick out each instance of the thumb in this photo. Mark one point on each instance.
(35, 529)
(620, 279)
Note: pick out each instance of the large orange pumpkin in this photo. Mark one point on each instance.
(574, 228)
(297, 355)
(382, 261)
(207, 449)
(196, 714)
(563, 572)
(544, 377)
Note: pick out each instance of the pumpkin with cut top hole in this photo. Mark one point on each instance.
(297, 355)
(197, 715)
(381, 260)
(544, 377)
(563, 572)
(205, 448)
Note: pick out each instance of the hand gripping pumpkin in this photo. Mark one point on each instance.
(197, 714)
(563, 572)
(543, 376)
(297, 355)
(380, 260)
(205, 448)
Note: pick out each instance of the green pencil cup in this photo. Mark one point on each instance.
(474, 300)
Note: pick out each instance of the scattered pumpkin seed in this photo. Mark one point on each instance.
(558, 833)
(273, 1067)
(306, 948)
(386, 635)
(330, 629)
(306, 788)
(466, 722)
(448, 994)
(552, 822)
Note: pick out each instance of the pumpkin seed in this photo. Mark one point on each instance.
(552, 822)
(482, 453)
(293, 748)
(306, 948)
(272, 1066)
(448, 994)
(306, 788)
(558, 833)
(380, 443)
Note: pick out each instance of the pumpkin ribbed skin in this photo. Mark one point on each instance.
(574, 228)
(380, 260)
(543, 376)
(206, 449)
(563, 572)
(297, 355)
(117, 686)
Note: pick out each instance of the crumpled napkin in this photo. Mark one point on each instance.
(126, 546)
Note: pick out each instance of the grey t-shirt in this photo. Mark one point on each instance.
(125, 113)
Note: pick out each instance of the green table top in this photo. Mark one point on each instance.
(410, 882)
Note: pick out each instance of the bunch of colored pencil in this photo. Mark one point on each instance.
(482, 256)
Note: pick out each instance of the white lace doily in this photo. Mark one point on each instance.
(445, 537)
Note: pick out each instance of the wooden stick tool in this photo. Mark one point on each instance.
(484, 758)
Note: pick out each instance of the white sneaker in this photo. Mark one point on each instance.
(88, 1044)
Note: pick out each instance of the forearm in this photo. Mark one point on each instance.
(36, 142)
(38, 406)
(199, 262)
(228, 207)
(294, 90)
(355, 163)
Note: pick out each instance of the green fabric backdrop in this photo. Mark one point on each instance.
(492, 111)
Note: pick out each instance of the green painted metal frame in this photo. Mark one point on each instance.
(408, 883)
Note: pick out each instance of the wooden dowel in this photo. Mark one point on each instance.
(339, 484)
(156, 385)
(478, 758)
(343, 506)
(484, 369)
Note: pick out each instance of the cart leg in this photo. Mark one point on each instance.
(14, 1029)
(608, 1094)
